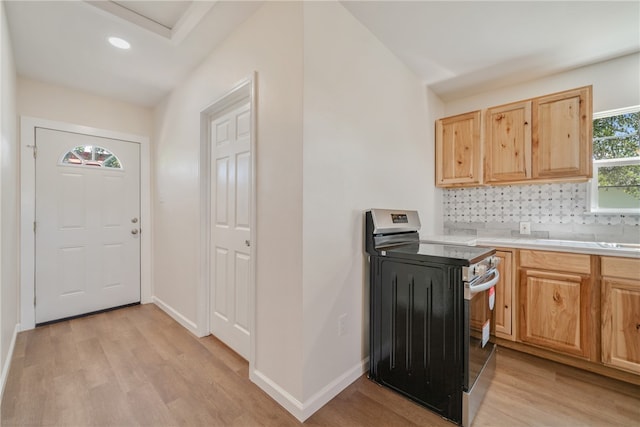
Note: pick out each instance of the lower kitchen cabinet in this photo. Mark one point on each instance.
(621, 313)
(555, 302)
(578, 309)
(504, 311)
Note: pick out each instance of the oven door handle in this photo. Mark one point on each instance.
(473, 288)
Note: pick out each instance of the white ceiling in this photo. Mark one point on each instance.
(462, 47)
(457, 48)
(64, 42)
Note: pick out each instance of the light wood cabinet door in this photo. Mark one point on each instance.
(554, 311)
(621, 323)
(508, 143)
(504, 306)
(458, 150)
(621, 313)
(562, 135)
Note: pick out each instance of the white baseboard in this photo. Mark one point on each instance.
(7, 363)
(300, 410)
(277, 393)
(331, 390)
(303, 410)
(186, 323)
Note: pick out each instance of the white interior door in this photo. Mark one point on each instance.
(87, 215)
(231, 228)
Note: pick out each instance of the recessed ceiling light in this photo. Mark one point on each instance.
(119, 43)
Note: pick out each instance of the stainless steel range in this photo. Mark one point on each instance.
(430, 316)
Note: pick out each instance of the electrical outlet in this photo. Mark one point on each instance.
(342, 325)
(525, 228)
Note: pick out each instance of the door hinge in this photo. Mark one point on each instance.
(35, 150)
(34, 301)
(34, 226)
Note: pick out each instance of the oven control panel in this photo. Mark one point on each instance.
(394, 221)
(480, 268)
(399, 218)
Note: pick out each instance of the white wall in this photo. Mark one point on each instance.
(270, 43)
(367, 143)
(435, 110)
(53, 102)
(9, 220)
(615, 85)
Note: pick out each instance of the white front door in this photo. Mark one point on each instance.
(231, 230)
(87, 212)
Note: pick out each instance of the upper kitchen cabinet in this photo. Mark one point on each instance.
(508, 147)
(544, 139)
(458, 151)
(562, 135)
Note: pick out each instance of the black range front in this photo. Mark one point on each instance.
(416, 342)
(418, 313)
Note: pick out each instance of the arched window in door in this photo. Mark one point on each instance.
(91, 155)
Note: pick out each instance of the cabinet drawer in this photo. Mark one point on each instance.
(570, 263)
(626, 268)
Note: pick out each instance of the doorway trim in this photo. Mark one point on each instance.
(28, 127)
(244, 91)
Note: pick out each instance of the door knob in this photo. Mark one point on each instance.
(134, 231)
(247, 243)
(134, 220)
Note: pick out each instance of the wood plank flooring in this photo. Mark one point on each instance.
(138, 367)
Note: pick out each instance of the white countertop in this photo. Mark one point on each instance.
(451, 239)
(591, 248)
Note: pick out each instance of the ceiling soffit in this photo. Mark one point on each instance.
(172, 20)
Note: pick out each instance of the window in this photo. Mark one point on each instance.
(615, 186)
(91, 155)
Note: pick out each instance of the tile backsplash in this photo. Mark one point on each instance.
(556, 211)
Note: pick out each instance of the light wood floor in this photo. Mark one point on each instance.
(136, 366)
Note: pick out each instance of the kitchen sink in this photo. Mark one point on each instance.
(562, 242)
(619, 245)
(574, 243)
(593, 245)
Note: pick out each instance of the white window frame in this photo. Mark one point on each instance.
(593, 184)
